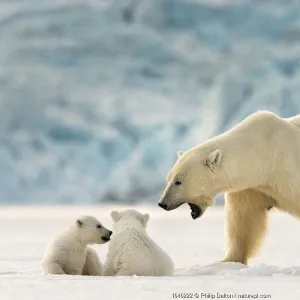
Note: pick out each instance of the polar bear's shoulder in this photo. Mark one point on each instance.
(262, 117)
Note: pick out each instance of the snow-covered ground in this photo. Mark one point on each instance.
(195, 247)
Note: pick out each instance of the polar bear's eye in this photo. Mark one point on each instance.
(177, 182)
(99, 226)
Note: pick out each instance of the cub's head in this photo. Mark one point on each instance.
(195, 179)
(90, 230)
(130, 215)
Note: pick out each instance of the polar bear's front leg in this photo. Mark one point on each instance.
(110, 266)
(245, 223)
(75, 272)
(92, 266)
(53, 268)
(109, 269)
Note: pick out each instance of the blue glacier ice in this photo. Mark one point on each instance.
(96, 97)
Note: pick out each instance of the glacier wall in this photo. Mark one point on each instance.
(96, 97)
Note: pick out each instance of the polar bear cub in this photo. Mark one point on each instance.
(68, 253)
(131, 251)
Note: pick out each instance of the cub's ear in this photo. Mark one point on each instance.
(213, 159)
(79, 223)
(115, 215)
(145, 219)
(179, 153)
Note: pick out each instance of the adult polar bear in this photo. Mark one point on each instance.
(256, 164)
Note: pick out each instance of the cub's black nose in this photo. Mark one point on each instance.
(110, 233)
(163, 206)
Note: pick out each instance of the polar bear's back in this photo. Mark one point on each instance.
(138, 254)
(294, 120)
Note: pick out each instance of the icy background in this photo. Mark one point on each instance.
(96, 97)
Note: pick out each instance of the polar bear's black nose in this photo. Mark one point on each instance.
(110, 233)
(163, 206)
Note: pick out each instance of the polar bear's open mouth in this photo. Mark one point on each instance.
(196, 211)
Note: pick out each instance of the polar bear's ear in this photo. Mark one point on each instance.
(179, 153)
(115, 215)
(145, 219)
(213, 159)
(79, 223)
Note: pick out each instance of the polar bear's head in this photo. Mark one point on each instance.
(90, 230)
(131, 216)
(196, 178)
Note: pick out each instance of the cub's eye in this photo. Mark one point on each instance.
(99, 226)
(177, 182)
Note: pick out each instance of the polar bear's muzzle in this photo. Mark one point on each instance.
(170, 206)
(196, 211)
(106, 237)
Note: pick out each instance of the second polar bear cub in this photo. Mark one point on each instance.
(131, 251)
(69, 253)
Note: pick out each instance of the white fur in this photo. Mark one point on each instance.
(262, 152)
(256, 164)
(132, 251)
(68, 253)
